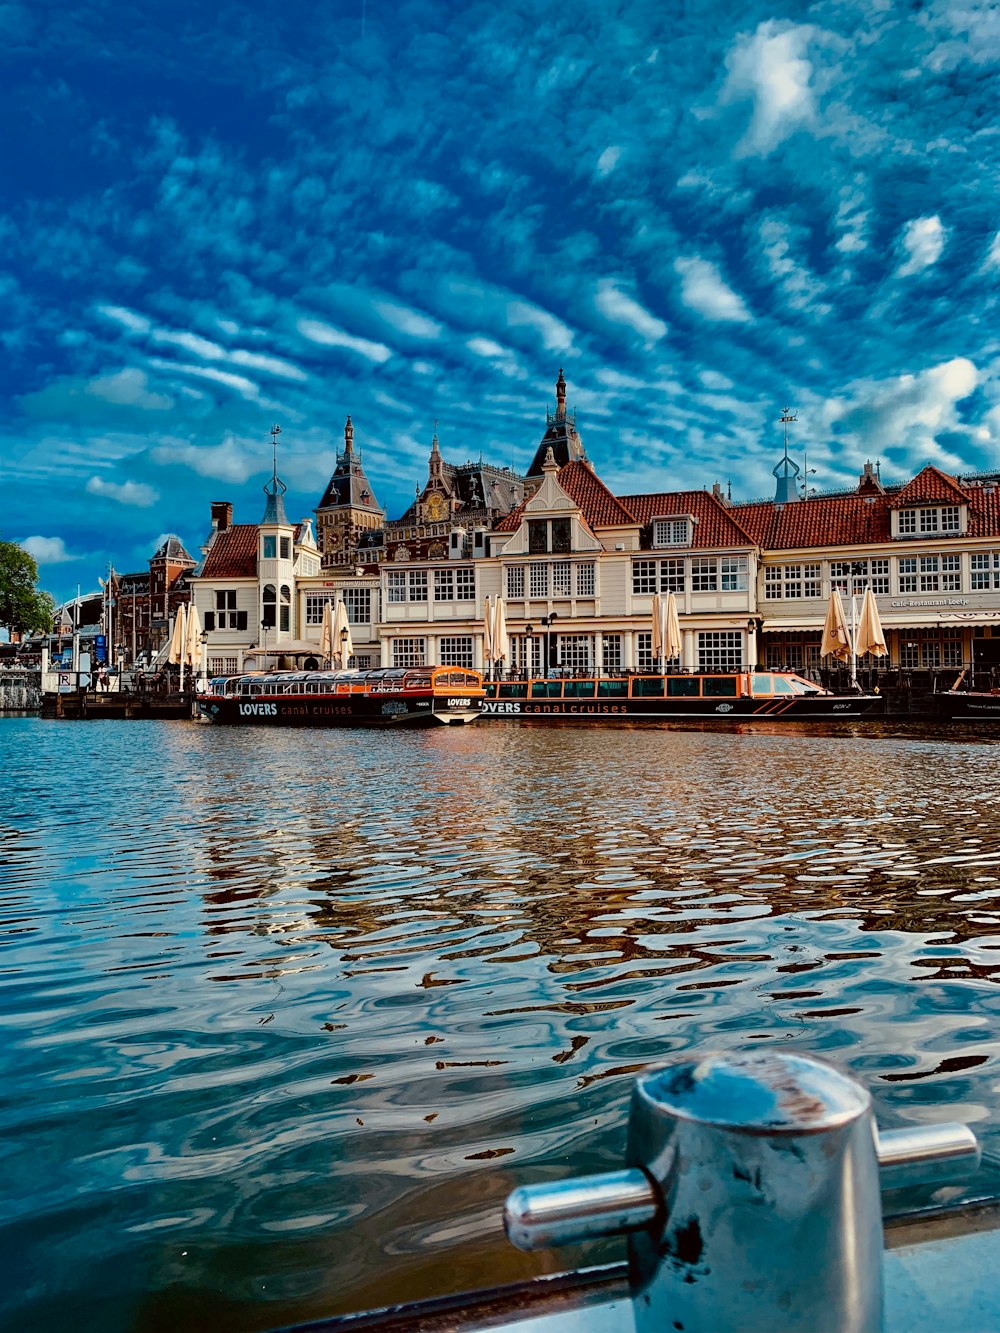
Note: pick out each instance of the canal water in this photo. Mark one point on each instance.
(285, 1015)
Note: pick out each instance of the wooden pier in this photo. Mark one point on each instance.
(80, 704)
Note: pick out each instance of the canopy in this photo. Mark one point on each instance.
(871, 638)
(501, 641)
(487, 631)
(836, 639)
(192, 640)
(672, 641)
(326, 634)
(657, 637)
(178, 640)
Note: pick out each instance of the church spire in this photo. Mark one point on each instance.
(349, 436)
(560, 397)
(274, 510)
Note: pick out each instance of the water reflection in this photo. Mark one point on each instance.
(286, 1015)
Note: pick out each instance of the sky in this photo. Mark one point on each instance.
(218, 218)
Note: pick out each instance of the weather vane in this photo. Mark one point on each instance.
(275, 432)
(787, 416)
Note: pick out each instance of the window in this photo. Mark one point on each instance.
(907, 574)
(562, 532)
(879, 577)
(671, 532)
(720, 650)
(950, 518)
(585, 580)
(209, 621)
(644, 652)
(985, 570)
(951, 648)
(928, 520)
(644, 576)
(465, 584)
(444, 585)
(561, 585)
(733, 572)
(408, 652)
(225, 608)
(538, 582)
(704, 575)
(576, 651)
(929, 581)
(951, 573)
(397, 586)
(286, 548)
(284, 611)
(269, 547)
(269, 618)
(907, 522)
(515, 582)
(455, 651)
(538, 536)
(358, 604)
(612, 652)
(774, 588)
(671, 576)
(844, 573)
(223, 666)
(418, 585)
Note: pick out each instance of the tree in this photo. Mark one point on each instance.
(23, 606)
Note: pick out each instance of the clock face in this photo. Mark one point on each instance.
(436, 508)
(332, 540)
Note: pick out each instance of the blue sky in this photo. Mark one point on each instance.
(219, 217)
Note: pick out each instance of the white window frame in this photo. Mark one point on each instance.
(671, 532)
(409, 652)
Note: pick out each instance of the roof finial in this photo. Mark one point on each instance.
(787, 416)
(560, 396)
(349, 436)
(434, 443)
(275, 432)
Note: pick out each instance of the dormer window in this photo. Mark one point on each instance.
(549, 536)
(923, 522)
(672, 531)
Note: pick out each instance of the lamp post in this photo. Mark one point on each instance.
(753, 628)
(549, 623)
(203, 664)
(529, 631)
(345, 634)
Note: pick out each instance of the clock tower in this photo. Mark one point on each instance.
(348, 509)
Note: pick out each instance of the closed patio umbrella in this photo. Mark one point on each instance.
(672, 642)
(488, 634)
(657, 635)
(836, 637)
(326, 634)
(871, 637)
(501, 641)
(178, 640)
(343, 645)
(192, 641)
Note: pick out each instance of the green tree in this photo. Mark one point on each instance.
(23, 606)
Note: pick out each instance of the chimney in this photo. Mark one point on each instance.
(222, 515)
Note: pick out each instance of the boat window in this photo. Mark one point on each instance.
(422, 682)
(647, 687)
(761, 685)
(683, 687)
(719, 687)
(782, 686)
(511, 689)
(612, 689)
(492, 688)
(578, 689)
(455, 678)
(546, 689)
(250, 687)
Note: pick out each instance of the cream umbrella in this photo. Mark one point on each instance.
(326, 634)
(192, 642)
(871, 638)
(178, 640)
(836, 637)
(672, 641)
(488, 634)
(501, 641)
(343, 645)
(657, 636)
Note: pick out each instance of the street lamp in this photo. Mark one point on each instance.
(529, 631)
(345, 634)
(203, 663)
(549, 623)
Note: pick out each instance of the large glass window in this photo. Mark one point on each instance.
(720, 650)
(576, 651)
(561, 579)
(704, 574)
(643, 577)
(465, 583)
(444, 585)
(539, 579)
(585, 580)
(515, 582)
(397, 585)
(929, 574)
(455, 651)
(950, 518)
(408, 652)
(418, 585)
(269, 617)
(733, 573)
(644, 652)
(562, 530)
(907, 521)
(671, 532)
(538, 536)
(985, 567)
(671, 575)
(269, 548)
(358, 605)
(951, 573)
(907, 574)
(611, 649)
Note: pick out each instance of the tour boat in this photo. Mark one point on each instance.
(392, 696)
(969, 705)
(717, 696)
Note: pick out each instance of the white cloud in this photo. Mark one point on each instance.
(128, 388)
(992, 259)
(770, 69)
(127, 492)
(271, 365)
(715, 381)
(229, 461)
(486, 347)
(608, 160)
(923, 240)
(906, 411)
(190, 342)
(620, 308)
(47, 550)
(327, 336)
(555, 335)
(703, 289)
(246, 388)
(407, 321)
(127, 318)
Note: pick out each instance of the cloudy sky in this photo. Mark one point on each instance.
(218, 217)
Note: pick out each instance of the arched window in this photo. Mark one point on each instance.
(286, 608)
(268, 619)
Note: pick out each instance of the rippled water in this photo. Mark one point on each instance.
(285, 1015)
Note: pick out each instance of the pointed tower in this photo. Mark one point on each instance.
(348, 508)
(787, 471)
(560, 435)
(276, 555)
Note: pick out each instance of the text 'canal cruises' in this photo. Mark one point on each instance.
(741, 696)
(393, 696)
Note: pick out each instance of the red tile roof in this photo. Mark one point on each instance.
(718, 526)
(833, 520)
(233, 554)
(933, 486)
(599, 507)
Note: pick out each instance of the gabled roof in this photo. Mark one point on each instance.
(599, 508)
(930, 486)
(717, 525)
(233, 554)
(172, 548)
(833, 520)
